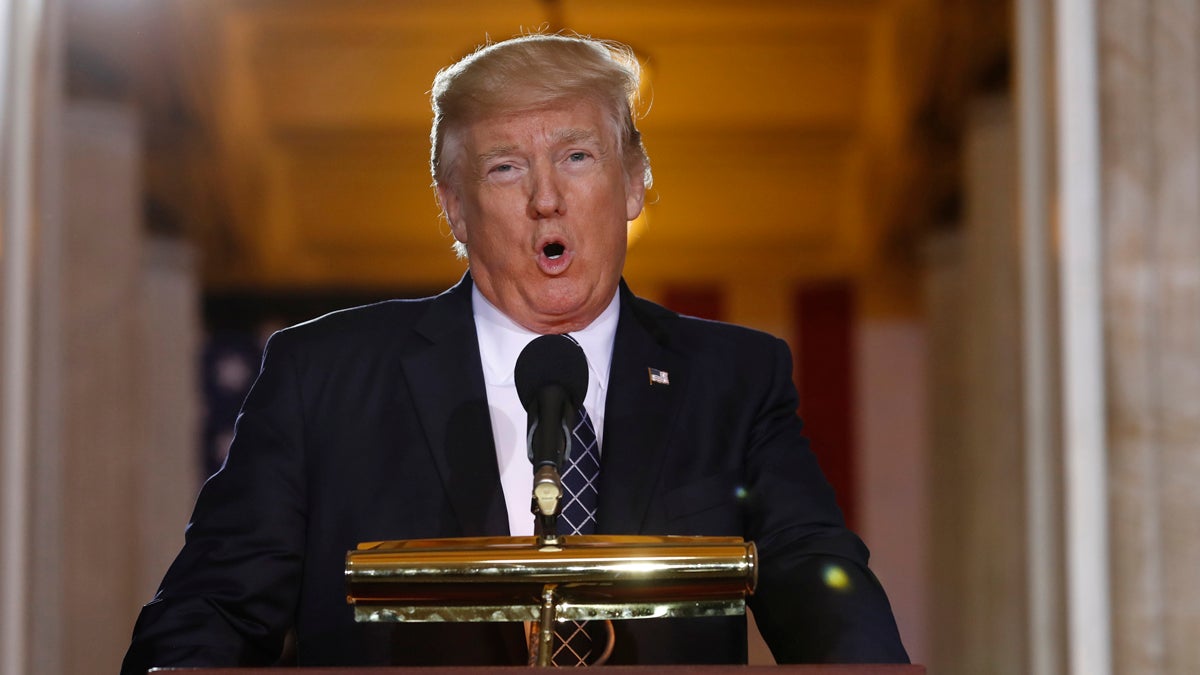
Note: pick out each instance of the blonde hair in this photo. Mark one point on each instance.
(533, 71)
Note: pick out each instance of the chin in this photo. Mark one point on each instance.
(562, 311)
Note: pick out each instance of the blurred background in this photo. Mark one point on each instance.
(973, 220)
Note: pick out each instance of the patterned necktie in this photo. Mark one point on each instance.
(581, 470)
(573, 646)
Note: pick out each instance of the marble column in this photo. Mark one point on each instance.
(97, 417)
(977, 550)
(31, 51)
(115, 460)
(1150, 182)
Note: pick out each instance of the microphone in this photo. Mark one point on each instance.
(551, 377)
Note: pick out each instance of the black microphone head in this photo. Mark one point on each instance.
(551, 359)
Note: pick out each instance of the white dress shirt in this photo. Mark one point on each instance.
(500, 343)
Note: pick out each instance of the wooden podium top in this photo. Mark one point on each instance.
(847, 669)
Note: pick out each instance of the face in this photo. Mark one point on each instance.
(542, 199)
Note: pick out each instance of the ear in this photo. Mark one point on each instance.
(452, 209)
(635, 191)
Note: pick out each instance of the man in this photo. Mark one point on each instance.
(400, 420)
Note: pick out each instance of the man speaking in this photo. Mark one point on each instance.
(402, 420)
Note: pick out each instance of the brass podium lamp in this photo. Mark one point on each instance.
(581, 578)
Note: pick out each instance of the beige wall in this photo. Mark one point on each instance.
(893, 459)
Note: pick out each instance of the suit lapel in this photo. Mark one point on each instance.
(639, 415)
(445, 379)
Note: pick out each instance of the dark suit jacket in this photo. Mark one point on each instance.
(372, 424)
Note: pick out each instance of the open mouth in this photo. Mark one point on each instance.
(554, 255)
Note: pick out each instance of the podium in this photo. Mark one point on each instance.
(832, 669)
(505, 578)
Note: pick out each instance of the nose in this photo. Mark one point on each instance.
(545, 194)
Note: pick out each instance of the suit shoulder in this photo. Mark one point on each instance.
(691, 331)
(355, 326)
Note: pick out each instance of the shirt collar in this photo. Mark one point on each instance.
(501, 340)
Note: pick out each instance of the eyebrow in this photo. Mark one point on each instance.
(496, 151)
(561, 136)
(575, 135)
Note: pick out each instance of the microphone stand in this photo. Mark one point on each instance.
(546, 503)
(549, 444)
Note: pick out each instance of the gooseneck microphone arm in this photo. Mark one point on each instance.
(549, 437)
(551, 379)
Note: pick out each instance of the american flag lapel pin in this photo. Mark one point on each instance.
(659, 377)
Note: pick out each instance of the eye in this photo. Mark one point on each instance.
(504, 172)
(577, 156)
